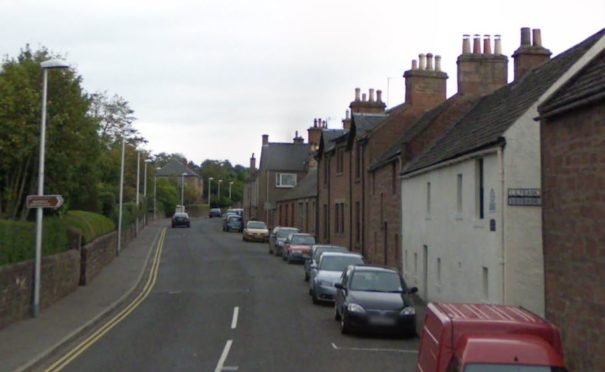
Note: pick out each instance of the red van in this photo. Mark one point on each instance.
(488, 338)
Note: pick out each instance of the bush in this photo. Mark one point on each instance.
(18, 239)
(90, 225)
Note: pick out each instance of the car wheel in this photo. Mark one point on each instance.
(336, 314)
(344, 327)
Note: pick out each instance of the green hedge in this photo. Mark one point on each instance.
(18, 239)
(90, 225)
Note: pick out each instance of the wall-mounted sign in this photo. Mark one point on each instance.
(524, 197)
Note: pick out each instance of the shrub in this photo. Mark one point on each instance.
(18, 239)
(90, 225)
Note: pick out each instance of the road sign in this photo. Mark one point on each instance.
(44, 201)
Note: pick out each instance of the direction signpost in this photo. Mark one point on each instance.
(44, 201)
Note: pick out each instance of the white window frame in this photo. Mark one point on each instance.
(279, 180)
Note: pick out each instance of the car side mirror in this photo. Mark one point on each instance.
(338, 286)
(413, 290)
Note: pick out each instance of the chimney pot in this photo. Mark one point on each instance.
(422, 59)
(363, 97)
(525, 36)
(379, 95)
(265, 139)
(497, 45)
(347, 114)
(357, 93)
(429, 61)
(371, 95)
(315, 123)
(487, 44)
(414, 65)
(325, 124)
(537, 37)
(466, 44)
(477, 44)
(437, 63)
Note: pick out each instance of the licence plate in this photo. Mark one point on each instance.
(381, 320)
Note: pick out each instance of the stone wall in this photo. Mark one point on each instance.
(96, 255)
(60, 276)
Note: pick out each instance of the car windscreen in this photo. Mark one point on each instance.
(320, 250)
(484, 367)
(376, 281)
(303, 240)
(338, 263)
(181, 215)
(283, 233)
(256, 225)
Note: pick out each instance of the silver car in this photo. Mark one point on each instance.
(316, 251)
(328, 272)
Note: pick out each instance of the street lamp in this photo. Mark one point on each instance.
(137, 192)
(121, 197)
(230, 183)
(183, 191)
(155, 191)
(219, 190)
(209, 183)
(46, 65)
(147, 161)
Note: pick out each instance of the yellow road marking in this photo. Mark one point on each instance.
(99, 333)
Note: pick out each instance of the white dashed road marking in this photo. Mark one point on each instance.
(234, 320)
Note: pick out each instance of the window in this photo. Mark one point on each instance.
(428, 199)
(336, 217)
(480, 213)
(357, 161)
(381, 207)
(459, 194)
(339, 160)
(285, 180)
(326, 169)
(339, 218)
(394, 178)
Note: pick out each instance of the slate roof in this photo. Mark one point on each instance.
(586, 86)
(175, 168)
(306, 188)
(328, 136)
(366, 122)
(284, 156)
(485, 124)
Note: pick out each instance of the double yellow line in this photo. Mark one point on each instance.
(84, 345)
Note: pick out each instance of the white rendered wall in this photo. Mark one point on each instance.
(462, 242)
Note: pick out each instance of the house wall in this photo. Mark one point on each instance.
(357, 193)
(573, 166)
(268, 193)
(524, 260)
(301, 214)
(462, 258)
(340, 195)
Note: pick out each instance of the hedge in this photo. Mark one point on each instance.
(18, 239)
(90, 225)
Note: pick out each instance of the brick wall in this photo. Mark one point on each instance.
(339, 195)
(60, 276)
(573, 177)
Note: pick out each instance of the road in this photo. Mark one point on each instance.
(223, 304)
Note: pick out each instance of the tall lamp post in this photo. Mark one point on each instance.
(209, 184)
(183, 191)
(46, 65)
(155, 192)
(147, 161)
(219, 190)
(121, 197)
(230, 183)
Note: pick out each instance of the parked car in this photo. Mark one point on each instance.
(256, 231)
(238, 211)
(328, 272)
(278, 237)
(484, 337)
(234, 223)
(214, 212)
(374, 298)
(181, 219)
(298, 247)
(226, 218)
(316, 252)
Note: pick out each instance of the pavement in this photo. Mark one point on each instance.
(25, 343)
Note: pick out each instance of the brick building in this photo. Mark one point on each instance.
(573, 180)
(298, 206)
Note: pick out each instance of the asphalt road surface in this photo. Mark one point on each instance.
(223, 304)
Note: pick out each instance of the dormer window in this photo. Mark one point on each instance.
(285, 180)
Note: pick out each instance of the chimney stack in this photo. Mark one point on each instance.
(497, 45)
(252, 164)
(314, 133)
(466, 44)
(371, 95)
(480, 72)
(265, 140)
(529, 54)
(378, 97)
(297, 138)
(425, 87)
(365, 105)
(357, 93)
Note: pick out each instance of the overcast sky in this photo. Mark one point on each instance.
(207, 78)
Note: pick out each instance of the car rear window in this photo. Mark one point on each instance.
(256, 225)
(339, 263)
(283, 233)
(303, 240)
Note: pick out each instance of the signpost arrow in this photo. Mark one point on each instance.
(44, 201)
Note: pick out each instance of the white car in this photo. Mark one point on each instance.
(256, 231)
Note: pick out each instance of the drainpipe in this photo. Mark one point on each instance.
(502, 240)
